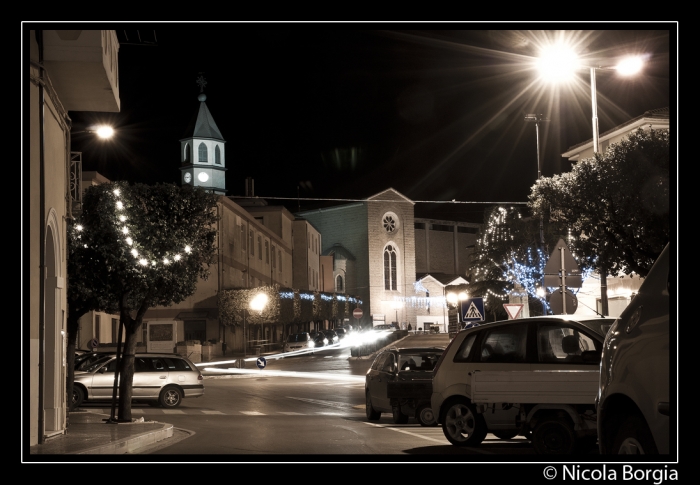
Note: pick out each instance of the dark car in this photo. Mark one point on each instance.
(320, 340)
(332, 336)
(341, 333)
(400, 382)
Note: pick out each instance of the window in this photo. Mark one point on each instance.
(97, 327)
(556, 344)
(390, 268)
(279, 258)
(217, 155)
(339, 284)
(274, 261)
(115, 330)
(504, 344)
(390, 222)
(267, 252)
(465, 349)
(188, 153)
(251, 242)
(260, 248)
(242, 238)
(202, 153)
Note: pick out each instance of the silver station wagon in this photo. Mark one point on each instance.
(159, 379)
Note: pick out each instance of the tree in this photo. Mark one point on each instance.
(138, 246)
(508, 256)
(616, 205)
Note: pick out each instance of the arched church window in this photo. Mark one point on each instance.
(339, 284)
(188, 153)
(202, 153)
(217, 155)
(390, 267)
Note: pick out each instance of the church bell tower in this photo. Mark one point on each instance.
(202, 154)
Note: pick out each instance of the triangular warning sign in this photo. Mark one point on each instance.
(513, 310)
(473, 312)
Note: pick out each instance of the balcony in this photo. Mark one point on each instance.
(83, 68)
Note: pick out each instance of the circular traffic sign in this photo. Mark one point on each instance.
(261, 362)
(94, 343)
(556, 302)
(357, 313)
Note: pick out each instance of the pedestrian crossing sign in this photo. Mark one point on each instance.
(473, 310)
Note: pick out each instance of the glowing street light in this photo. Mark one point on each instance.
(559, 63)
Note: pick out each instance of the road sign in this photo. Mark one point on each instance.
(94, 343)
(261, 363)
(562, 264)
(472, 310)
(357, 313)
(513, 310)
(556, 303)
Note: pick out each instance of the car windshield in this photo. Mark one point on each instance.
(599, 325)
(421, 361)
(93, 366)
(87, 360)
(297, 337)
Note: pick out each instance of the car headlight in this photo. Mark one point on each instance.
(311, 344)
(325, 341)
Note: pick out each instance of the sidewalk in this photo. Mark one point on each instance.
(89, 434)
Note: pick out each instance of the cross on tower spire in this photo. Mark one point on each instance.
(202, 82)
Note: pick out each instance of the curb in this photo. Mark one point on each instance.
(131, 444)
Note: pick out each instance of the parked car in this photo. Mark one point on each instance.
(634, 403)
(332, 336)
(546, 343)
(159, 379)
(399, 382)
(298, 341)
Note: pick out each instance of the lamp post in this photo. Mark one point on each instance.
(397, 304)
(537, 119)
(560, 62)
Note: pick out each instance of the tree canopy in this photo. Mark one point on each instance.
(138, 246)
(508, 256)
(616, 205)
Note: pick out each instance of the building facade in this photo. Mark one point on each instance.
(69, 70)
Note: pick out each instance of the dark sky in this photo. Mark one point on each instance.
(344, 111)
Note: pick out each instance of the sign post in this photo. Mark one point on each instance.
(562, 271)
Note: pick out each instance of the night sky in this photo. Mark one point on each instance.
(343, 110)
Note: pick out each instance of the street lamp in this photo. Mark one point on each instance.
(75, 174)
(537, 119)
(560, 62)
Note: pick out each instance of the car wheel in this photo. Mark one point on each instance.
(170, 397)
(505, 434)
(78, 397)
(425, 415)
(554, 436)
(372, 414)
(398, 415)
(634, 438)
(462, 425)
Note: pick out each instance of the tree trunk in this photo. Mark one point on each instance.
(126, 379)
